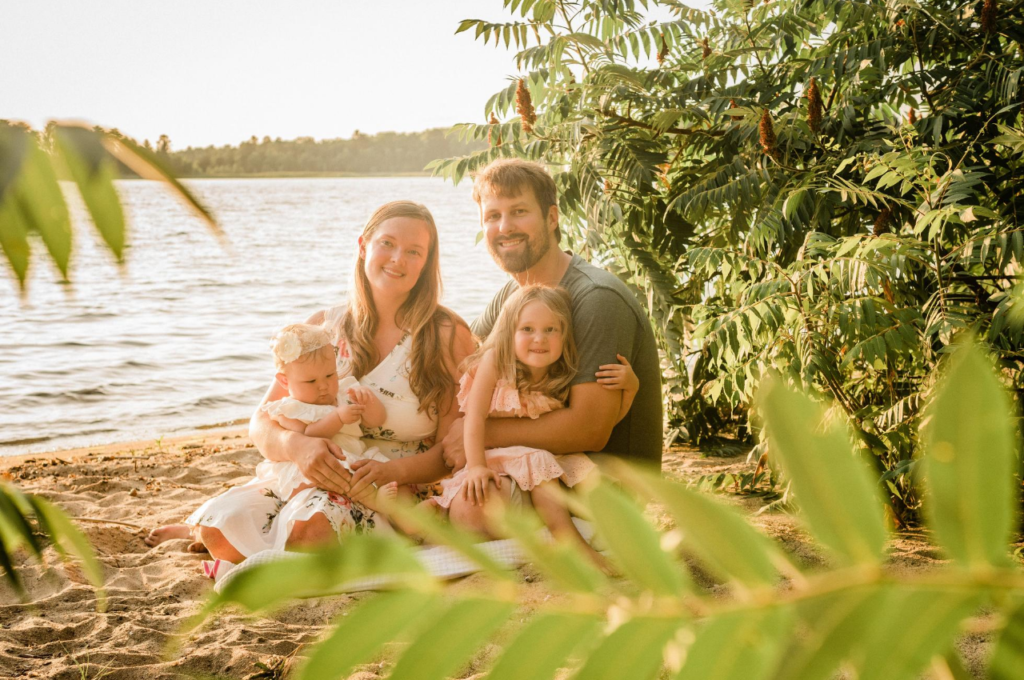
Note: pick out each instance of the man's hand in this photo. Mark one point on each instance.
(320, 461)
(454, 451)
(367, 472)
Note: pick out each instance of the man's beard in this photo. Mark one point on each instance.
(518, 262)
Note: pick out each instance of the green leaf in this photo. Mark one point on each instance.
(148, 165)
(1008, 658)
(94, 172)
(358, 635)
(319, 573)
(719, 535)
(446, 645)
(969, 462)
(68, 540)
(564, 564)
(634, 650)
(15, 532)
(833, 487)
(442, 532)
(792, 204)
(543, 646)
(834, 626)
(633, 542)
(14, 238)
(15, 529)
(917, 623)
(741, 645)
(43, 207)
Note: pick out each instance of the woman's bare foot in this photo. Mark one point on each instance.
(168, 532)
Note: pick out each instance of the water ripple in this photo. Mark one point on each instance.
(176, 339)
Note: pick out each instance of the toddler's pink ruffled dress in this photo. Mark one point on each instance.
(527, 466)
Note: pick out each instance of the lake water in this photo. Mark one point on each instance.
(177, 339)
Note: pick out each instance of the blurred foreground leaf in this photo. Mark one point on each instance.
(833, 487)
(358, 635)
(1008, 658)
(94, 172)
(17, 510)
(633, 650)
(320, 573)
(148, 165)
(633, 542)
(970, 463)
(562, 562)
(719, 535)
(744, 645)
(458, 632)
(917, 624)
(31, 200)
(542, 647)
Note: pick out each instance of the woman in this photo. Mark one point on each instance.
(393, 336)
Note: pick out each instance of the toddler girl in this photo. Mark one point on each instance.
(523, 370)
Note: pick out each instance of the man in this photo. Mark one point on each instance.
(519, 216)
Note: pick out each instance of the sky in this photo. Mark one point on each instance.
(219, 71)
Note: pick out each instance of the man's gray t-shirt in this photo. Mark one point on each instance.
(608, 320)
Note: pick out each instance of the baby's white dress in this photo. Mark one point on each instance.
(279, 482)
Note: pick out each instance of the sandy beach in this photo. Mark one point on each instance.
(133, 487)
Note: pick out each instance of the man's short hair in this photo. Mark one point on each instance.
(508, 177)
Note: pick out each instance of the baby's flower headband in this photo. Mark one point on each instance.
(286, 347)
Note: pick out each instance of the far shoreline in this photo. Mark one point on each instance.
(308, 175)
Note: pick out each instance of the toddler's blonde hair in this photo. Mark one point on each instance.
(298, 342)
(502, 341)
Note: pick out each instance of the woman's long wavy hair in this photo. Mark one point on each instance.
(432, 350)
(502, 341)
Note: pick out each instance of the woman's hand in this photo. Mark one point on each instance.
(367, 472)
(320, 461)
(477, 484)
(618, 376)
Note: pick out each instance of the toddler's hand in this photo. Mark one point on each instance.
(618, 376)
(363, 396)
(476, 488)
(350, 413)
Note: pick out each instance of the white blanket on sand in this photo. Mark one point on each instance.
(442, 561)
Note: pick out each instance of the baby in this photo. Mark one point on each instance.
(305, 361)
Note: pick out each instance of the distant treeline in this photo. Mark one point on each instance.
(386, 152)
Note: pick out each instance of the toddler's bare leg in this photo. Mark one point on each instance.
(556, 517)
(474, 517)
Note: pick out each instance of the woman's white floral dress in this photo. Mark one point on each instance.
(255, 516)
